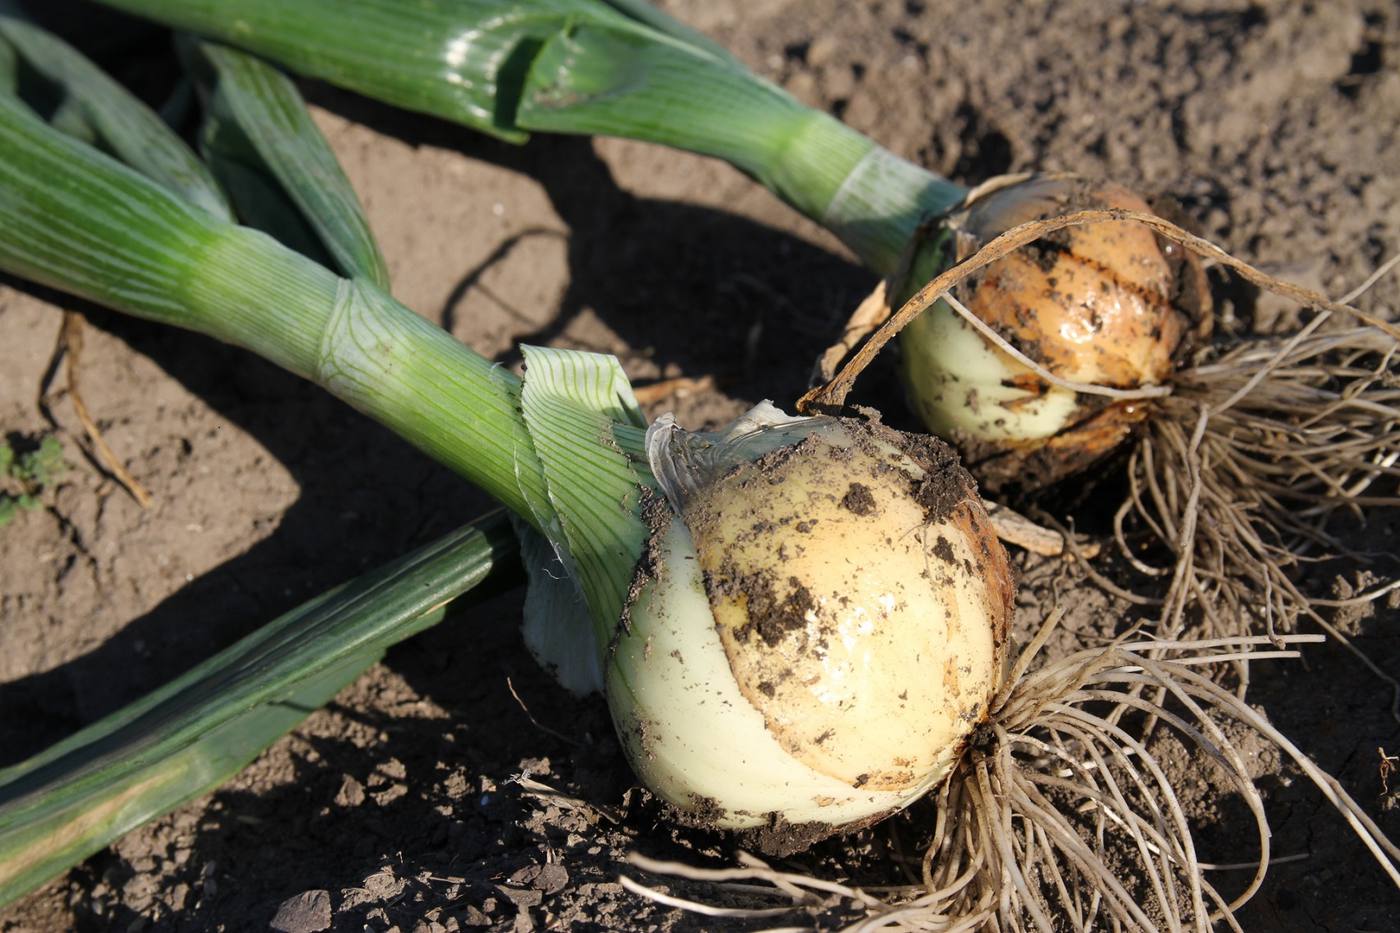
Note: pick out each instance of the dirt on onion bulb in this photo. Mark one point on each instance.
(1108, 304)
(820, 622)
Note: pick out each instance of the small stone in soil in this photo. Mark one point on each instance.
(547, 879)
(351, 793)
(429, 926)
(521, 897)
(307, 912)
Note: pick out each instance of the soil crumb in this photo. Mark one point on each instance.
(859, 499)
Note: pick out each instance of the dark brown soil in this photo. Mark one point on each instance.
(414, 802)
(858, 499)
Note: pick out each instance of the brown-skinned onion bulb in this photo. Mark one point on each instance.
(1108, 304)
(819, 625)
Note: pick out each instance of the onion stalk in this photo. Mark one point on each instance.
(656, 530)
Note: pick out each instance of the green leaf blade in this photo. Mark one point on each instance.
(95, 104)
(572, 402)
(447, 58)
(191, 735)
(73, 218)
(9, 68)
(617, 68)
(644, 12)
(77, 220)
(599, 79)
(263, 107)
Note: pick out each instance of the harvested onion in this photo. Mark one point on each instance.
(819, 626)
(1108, 304)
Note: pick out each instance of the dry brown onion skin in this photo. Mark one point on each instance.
(1108, 304)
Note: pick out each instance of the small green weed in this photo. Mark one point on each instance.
(24, 476)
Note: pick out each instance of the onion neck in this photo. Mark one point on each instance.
(870, 198)
(600, 80)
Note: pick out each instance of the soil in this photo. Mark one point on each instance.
(421, 798)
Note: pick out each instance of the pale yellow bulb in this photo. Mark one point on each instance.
(820, 630)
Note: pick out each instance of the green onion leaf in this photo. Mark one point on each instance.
(192, 734)
(78, 221)
(9, 68)
(457, 59)
(276, 165)
(644, 12)
(572, 403)
(89, 105)
(557, 626)
(595, 78)
(587, 66)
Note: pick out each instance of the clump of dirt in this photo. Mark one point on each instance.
(770, 617)
(945, 485)
(858, 499)
(780, 838)
(656, 514)
(940, 495)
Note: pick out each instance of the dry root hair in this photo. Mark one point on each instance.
(1057, 816)
(1254, 455)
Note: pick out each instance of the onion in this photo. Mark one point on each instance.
(1108, 304)
(819, 625)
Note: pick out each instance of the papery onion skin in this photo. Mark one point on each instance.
(1105, 303)
(814, 637)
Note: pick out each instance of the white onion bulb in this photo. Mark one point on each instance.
(819, 626)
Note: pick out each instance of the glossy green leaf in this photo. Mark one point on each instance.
(84, 102)
(571, 403)
(646, 13)
(194, 733)
(257, 124)
(557, 626)
(457, 59)
(615, 67)
(78, 221)
(9, 68)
